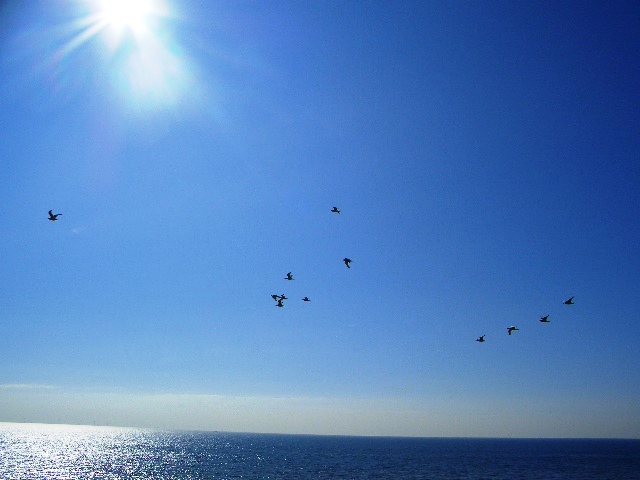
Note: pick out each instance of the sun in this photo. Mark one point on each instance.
(125, 13)
(144, 61)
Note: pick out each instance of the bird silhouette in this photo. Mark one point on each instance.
(347, 262)
(289, 276)
(306, 299)
(545, 319)
(275, 297)
(569, 302)
(335, 210)
(480, 339)
(283, 297)
(511, 329)
(279, 304)
(53, 217)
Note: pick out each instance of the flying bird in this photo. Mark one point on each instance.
(480, 339)
(283, 297)
(289, 276)
(545, 319)
(335, 210)
(347, 262)
(511, 329)
(53, 217)
(306, 299)
(569, 302)
(275, 297)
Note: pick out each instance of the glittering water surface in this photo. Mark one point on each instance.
(77, 452)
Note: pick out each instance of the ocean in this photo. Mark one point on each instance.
(33, 451)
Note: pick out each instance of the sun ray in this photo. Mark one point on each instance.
(90, 26)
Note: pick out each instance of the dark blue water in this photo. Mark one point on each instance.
(64, 452)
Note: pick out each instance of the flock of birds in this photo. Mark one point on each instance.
(513, 328)
(279, 299)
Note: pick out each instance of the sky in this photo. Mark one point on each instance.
(485, 158)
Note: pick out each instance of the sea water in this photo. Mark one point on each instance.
(31, 451)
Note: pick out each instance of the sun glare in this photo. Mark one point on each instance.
(125, 13)
(144, 60)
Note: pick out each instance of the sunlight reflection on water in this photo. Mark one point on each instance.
(61, 452)
(67, 451)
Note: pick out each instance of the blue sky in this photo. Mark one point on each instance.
(485, 157)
